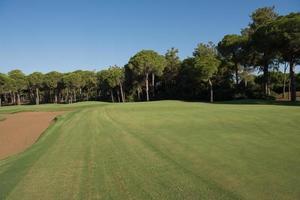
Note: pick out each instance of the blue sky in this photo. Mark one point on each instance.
(61, 35)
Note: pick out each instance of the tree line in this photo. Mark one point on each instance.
(224, 71)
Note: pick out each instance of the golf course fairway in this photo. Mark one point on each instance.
(159, 150)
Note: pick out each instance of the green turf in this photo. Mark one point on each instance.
(161, 150)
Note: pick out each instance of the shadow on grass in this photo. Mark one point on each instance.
(259, 102)
(236, 102)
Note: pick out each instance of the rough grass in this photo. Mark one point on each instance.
(161, 150)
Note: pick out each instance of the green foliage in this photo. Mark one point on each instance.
(111, 80)
(262, 53)
(260, 17)
(115, 76)
(281, 37)
(206, 61)
(52, 79)
(286, 31)
(147, 62)
(72, 80)
(35, 80)
(4, 81)
(188, 73)
(89, 78)
(18, 80)
(172, 65)
(232, 47)
(265, 42)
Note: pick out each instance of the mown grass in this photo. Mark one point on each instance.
(260, 102)
(49, 107)
(161, 150)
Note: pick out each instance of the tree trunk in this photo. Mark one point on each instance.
(0, 101)
(37, 97)
(87, 95)
(74, 92)
(122, 93)
(80, 94)
(61, 98)
(55, 96)
(112, 96)
(236, 74)
(153, 84)
(284, 81)
(10, 98)
(139, 94)
(147, 86)
(5, 98)
(13, 98)
(211, 91)
(31, 96)
(18, 99)
(266, 79)
(289, 94)
(67, 96)
(49, 99)
(293, 81)
(118, 95)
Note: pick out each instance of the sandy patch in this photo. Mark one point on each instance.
(19, 131)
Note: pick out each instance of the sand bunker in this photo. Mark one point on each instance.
(19, 131)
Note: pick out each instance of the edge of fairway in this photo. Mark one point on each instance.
(29, 156)
(74, 108)
(51, 124)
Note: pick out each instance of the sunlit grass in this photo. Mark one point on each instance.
(161, 150)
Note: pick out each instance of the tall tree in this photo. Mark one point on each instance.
(285, 32)
(51, 81)
(90, 82)
(171, 70)
(19, 82)
(147, 62)
(4, 81)
(262, 54)
(280, 37)
(207, 63)
(115, 78)
(232, 48)
(266, 54)
(72, 82)
(133, 84)
(35, 82)
(188, 81)
(104, 88)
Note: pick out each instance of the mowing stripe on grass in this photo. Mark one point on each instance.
(161, 150)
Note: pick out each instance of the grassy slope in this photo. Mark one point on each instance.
(161, 150)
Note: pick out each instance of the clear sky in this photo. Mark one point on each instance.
(46, 35)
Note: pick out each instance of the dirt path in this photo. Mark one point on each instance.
(19, 131)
